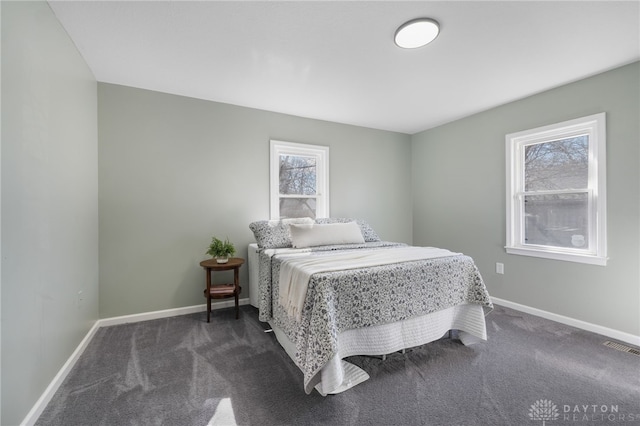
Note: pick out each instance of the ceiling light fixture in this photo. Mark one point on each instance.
(417, 33)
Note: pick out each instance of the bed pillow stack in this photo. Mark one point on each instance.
(277, 233)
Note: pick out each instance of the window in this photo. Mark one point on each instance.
(556, 192)
(299, 180)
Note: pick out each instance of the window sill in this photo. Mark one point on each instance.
(557, 255)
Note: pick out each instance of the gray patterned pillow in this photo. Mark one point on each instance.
(367, 231)
(275, 233)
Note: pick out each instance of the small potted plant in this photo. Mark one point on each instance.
(221, 250)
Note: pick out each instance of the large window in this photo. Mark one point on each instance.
(299, 180)
(556, 192)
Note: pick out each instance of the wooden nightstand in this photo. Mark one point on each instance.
(222, 291)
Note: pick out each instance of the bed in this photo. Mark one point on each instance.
(331, 289)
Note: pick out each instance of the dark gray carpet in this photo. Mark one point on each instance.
(176, 371)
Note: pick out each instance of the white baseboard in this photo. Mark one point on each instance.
(146, 316)
(46, 396)
(583, 325)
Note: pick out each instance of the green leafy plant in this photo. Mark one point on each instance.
(219, 248)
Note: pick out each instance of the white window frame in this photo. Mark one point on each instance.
(594, 126)
(321, 153)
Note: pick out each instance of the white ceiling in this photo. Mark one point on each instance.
(336, 60)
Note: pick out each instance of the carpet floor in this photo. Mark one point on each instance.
(183, 371)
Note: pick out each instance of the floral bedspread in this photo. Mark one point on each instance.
(355, 298)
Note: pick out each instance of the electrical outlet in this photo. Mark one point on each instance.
(80, 298)
(499, 268)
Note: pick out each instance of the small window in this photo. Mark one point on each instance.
(299, 180)
(556, 192)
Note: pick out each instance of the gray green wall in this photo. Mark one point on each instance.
(459, 200)
(49, 204)
(174, 171)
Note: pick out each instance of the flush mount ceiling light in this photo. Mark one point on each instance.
(417, 33)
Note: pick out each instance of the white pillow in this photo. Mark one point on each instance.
(325, 234)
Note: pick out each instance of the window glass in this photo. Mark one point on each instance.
(298, 207)
(297, 175)
(561, 164)
(558, 220)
